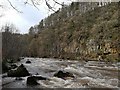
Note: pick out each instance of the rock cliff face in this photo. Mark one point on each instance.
(79, 31)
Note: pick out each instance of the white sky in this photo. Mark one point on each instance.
(30, 16)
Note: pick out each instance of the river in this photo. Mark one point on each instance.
(87, 74)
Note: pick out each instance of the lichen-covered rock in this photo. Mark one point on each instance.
(21, 71)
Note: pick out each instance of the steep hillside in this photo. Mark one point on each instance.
(79, 31)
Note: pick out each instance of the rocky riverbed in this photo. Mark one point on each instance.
(80, 74)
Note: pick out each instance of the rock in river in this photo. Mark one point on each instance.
(32, 81)
(21, 71)
(28, 61)
(63, 74)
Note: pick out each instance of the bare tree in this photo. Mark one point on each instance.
(35, 3)
(9, 27)
(13, 6)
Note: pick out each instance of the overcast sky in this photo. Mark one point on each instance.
(30, 16)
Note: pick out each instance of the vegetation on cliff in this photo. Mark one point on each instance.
(79, 31)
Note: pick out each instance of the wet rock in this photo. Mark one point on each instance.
(18, 59)
(13, 66)
(32, 81)
(28, 62)
(39, 78)
(21, 71)
(37, 74)
(63, 74)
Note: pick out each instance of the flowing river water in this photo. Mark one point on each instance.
(87, 74)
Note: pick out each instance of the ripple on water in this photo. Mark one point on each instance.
(89, 74)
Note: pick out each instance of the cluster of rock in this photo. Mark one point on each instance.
(21, 71)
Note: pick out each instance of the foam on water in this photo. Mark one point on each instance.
(87, 74)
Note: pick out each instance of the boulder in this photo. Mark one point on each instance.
(63, 74)
(32, 81)
(21, 71)
(28, 61)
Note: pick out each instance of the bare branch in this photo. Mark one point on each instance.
(34, 4)
(26, 2)
(49, 6)
(14, 7)
(58, 3)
